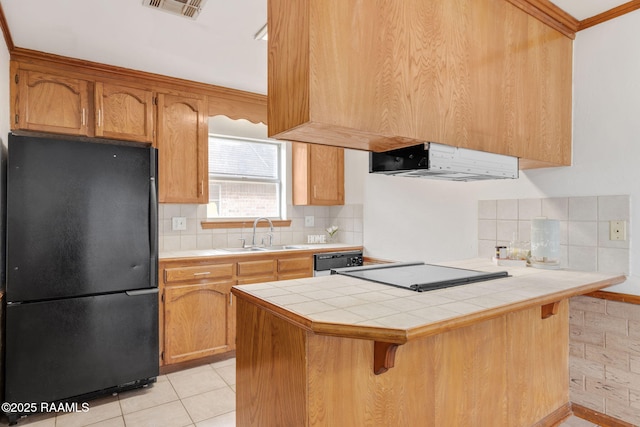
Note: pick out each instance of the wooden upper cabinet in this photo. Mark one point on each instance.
(478, 74)
(50, 103)
(123, 112)
(318, 174)
(182, 149)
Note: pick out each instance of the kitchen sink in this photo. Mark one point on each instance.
(263, 249)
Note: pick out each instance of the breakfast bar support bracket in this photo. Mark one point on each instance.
(549, 310)
(384, 356)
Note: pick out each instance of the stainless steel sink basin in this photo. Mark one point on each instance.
(237, 250)
(283, 247)
(263, 249)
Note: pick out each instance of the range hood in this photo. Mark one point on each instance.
(437, 161)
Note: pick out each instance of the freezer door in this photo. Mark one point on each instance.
(59, 349)
(80, 218)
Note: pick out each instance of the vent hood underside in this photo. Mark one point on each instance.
(437, 161)
(187, 8)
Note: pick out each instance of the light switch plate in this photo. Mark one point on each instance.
(617, 230)
(178, 223)
(309, 220)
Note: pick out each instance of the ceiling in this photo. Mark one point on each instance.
(217, 48)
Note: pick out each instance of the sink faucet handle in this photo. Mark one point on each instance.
(243, 240)
(270, 240)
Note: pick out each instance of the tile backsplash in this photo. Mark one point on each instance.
(348, 218)
(584, 228)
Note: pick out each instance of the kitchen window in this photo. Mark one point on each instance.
(245, 178)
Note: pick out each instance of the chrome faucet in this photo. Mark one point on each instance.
(255, 224)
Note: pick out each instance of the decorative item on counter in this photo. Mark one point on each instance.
(332, 231)
(514, 255)
(545, 243)
(316, 238)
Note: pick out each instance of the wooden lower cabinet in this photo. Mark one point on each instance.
(509, 371)
(197, 311)
(191, 331)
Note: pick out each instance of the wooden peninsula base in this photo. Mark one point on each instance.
(509, 370)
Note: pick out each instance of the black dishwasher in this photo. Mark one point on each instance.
(323, 263)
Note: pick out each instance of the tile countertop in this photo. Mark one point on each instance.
(354, 308)
(195, 253)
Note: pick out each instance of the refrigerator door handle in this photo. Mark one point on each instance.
(142, 292)
(153, 219)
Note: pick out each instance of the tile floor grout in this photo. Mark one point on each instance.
(203, 396)
(156, 405)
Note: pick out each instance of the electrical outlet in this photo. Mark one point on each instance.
(617, 230)
(309, 221)
(178, 223)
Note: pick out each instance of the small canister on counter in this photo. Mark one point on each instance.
(501, 252)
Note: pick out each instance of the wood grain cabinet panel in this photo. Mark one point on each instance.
(200, 272)
(318, 174)
(190, 331)
(182, 149)
(51, 103)
(123, 112)
(478, 74)
(539, 344)
(295, 268)
(256, 271)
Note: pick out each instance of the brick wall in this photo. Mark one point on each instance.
(604, 357)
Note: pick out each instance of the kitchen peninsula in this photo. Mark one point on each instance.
(338, 350)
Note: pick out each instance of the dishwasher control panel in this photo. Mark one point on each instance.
(330, 260)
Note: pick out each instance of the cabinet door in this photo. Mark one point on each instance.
(51, 103)
(318, 174)
(326, 175)
(123, 112)
(196, 321)
(182, 150)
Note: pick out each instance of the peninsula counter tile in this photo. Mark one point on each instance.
(367, 308)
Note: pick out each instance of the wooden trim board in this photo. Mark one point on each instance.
(597, 417)
(613, 296)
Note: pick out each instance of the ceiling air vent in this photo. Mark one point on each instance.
(187, 8)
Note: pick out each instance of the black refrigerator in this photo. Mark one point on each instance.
(81, 271)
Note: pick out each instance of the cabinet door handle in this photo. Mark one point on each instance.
(100, 117)
(204, 273)
(84, 121)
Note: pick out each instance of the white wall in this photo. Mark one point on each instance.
(413, 219)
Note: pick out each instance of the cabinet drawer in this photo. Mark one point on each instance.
(181, 274)
(295, 264)
(252, 268)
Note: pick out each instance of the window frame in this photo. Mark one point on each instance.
(237, 222)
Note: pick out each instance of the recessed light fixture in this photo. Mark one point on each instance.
(261, 34)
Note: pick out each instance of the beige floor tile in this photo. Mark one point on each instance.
(157, 394)
(195, 381)
(113, 422)
(574, 421)
(99, 410)
(170, 414)
(228, 373)
(227, 362)
(35, 420)
(208, 405)
(224, 420)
